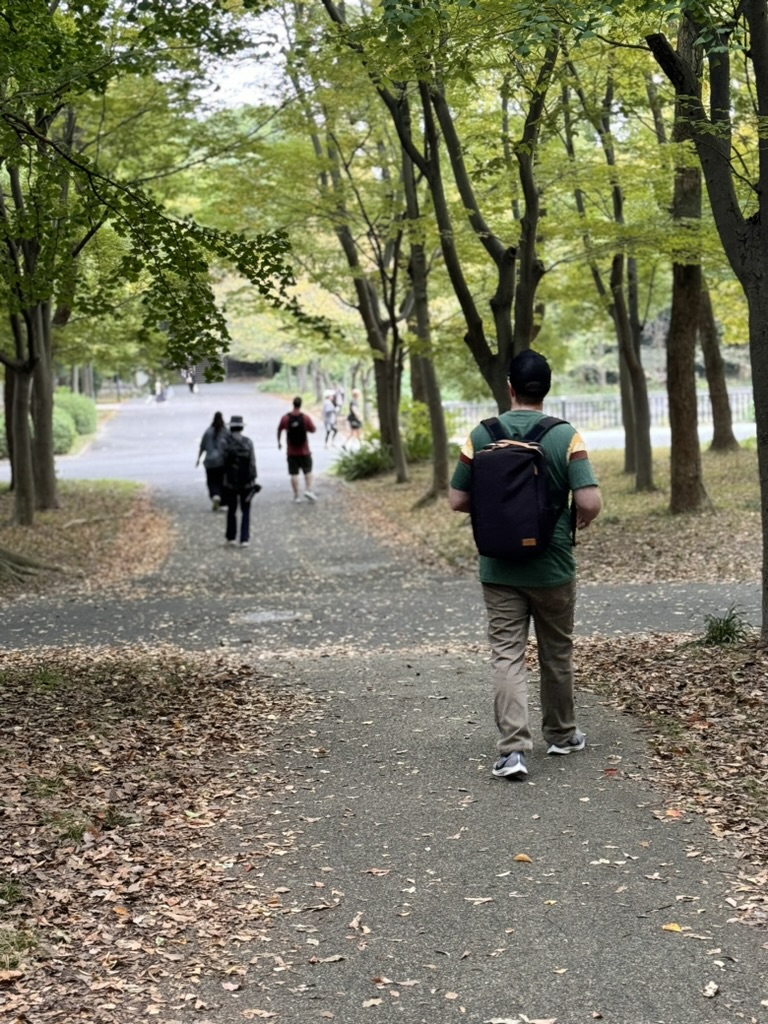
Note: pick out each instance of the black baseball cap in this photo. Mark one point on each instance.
(530, 375)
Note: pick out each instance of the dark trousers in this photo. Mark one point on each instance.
(214, 477)
(233, 499)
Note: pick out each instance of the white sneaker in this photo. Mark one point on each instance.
(576, 742)
(298, 498)
(309, 496)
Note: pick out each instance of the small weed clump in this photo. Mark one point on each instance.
(13, 945)
(730, 628)
(10, 892)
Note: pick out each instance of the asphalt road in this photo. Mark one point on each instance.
(157, 443)
(392, 823)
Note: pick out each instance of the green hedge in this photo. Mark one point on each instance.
(80, 408)
(64, 431)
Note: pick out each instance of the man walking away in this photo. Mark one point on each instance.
(542, 589)
(239, 480)
(297, 426)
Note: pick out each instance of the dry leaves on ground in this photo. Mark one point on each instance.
(706, 709)
(103, 533)
(123, 772)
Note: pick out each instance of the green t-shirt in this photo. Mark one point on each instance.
(569, 468)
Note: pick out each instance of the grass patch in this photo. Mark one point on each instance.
(13, 945)
(11, 892)
(45, 786)
(68, 825)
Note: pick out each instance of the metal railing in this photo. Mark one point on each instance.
(599, 412)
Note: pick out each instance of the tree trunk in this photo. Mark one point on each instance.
(687, 492)
(387, 380)
(723, 437)
(627, 416)
(24, 489)
(8, 388)
(423, 330)
(640, 404)
(757, 299)
(745, 240)
(43, 463)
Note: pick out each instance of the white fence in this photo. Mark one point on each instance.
(597, 412)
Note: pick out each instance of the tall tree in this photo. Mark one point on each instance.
(736, 179)
(688, 183)
(54, 198)
(422, 71)
(623, 285)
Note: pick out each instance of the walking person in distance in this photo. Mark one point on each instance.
(542, 589)
(211, 451)
(329, 418)
(239, 481)
(354, 421)
(297, 426)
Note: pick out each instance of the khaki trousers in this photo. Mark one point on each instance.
(510, 610)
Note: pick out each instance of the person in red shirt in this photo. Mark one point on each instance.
(297, 426)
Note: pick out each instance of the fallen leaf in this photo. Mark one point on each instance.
(671, 927)
(372, 1002)
(711, 989)
(523, 858)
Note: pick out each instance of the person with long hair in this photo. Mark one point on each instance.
(212, 453)
(354, 421)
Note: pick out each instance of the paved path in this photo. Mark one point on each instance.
(397, 823)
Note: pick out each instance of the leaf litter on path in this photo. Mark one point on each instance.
(121, 770)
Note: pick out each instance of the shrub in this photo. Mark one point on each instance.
(64, 431)
(417, 431)
(81, 408)
(369, 460)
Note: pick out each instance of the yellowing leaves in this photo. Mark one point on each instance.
(522, 858)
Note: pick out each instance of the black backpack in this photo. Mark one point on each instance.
(297, 430)
(512, 511)
(237, 464)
